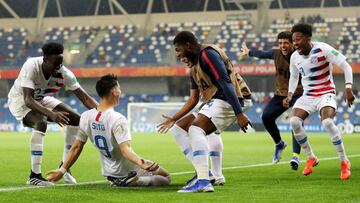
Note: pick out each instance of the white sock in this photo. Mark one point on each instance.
(153, 180)
(36, 148)
(70, 135)
(183, 140)
(335, 137)
(216, 148)
(200, 152)
(300, 136)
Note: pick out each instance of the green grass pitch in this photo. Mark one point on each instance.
(249, 182)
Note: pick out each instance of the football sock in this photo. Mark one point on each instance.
(216, 148)
(300, 136)
(183, 140)
(70, 135)
(335, 137)
(200, 151)
(153, 180)
(36, 148)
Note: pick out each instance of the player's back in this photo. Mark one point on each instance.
(107, 130)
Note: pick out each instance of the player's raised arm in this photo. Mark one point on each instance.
(85, 98)
(188, 106)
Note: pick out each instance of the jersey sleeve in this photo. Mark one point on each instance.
(27, 74)
(294, 75)
(121, 131)
(211, 60)
(70, 80)
(333, 55)
(269, 54)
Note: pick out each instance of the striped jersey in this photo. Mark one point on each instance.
(32, 76)
(106, 130)
(315, 69)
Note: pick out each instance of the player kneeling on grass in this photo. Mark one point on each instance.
(108, 131)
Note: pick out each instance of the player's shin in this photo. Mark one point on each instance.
(216, 148)
(70, 135)
(183, 140)
(335, 137)
(200, 152)
(36, 147)
(300, 136)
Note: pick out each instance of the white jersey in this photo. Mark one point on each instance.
(315, 69)
(32, 76)
(106, 130)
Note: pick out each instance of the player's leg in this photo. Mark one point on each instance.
(327, 114)
(302, 108)
(201, 126)
(38, 123)
(71, 130)
(216, 147)
(295, 159)
(141, 177)
(271, 112)
(180, 132)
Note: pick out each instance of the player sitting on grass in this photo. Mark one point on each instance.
(108, 131)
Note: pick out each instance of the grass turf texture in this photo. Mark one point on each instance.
(274, 183)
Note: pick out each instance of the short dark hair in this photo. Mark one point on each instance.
(105, 84)
(185, 36)
(285, 35)
(303, 28)
(52, 48)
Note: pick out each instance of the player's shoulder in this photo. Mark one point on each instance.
(88, 114)
(115, 116)
(321, 45)
(295, 55)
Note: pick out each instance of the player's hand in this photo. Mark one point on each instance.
(244, 51)
(60, 117)
(54, 175)
(349, 96)
(243, 122)
(149, 166)
(166, 125)
(286, 102)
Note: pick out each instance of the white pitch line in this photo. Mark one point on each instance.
(11, 189)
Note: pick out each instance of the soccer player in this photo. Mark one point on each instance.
(179, 128)
(109, 133)
(275, 107)
(313, 60)
(31, 101)
(221, 87)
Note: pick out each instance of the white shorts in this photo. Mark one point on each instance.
(313, 104)
(247, 104)
(19, 110)
(220, 113)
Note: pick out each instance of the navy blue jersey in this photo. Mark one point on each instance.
(213, 65)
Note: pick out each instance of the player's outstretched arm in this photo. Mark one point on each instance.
(129, 154)
(74, 153)
(85, 98)
(188, 106)
(58, 117)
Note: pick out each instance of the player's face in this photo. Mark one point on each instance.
(186, 53)
(52, 64)
(301, 43)
(285, 46)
